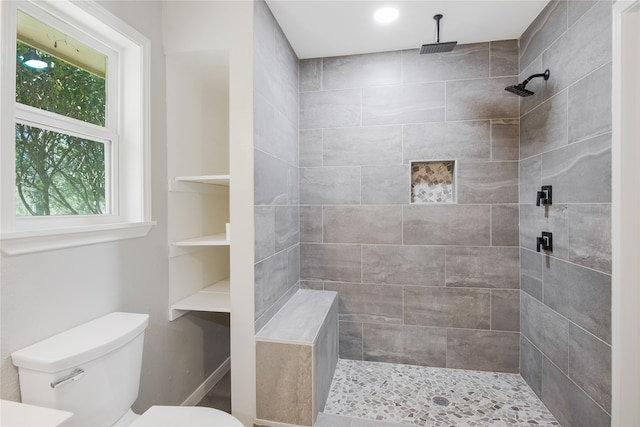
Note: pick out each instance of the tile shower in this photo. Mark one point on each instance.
(425, 265)
(451, 280)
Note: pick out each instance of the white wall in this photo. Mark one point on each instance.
(626, 211)
(190, 26)
(45, 293)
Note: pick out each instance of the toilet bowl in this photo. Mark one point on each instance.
(93, 371)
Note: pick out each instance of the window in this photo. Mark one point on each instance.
(74, 142)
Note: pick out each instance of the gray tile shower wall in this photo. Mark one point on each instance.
(426, 284)
(276, 171)
(565, 141)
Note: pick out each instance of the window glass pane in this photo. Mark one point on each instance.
(69, 80)
(58, 174)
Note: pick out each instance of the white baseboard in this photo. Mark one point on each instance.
(208, 384)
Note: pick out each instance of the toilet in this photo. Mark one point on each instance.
(93, 371)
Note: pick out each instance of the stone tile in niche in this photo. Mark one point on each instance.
(402, 394)
(432, 182)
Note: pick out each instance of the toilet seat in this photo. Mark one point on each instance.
(185, 416)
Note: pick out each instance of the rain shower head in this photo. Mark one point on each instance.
(520, 89)
(437, 47)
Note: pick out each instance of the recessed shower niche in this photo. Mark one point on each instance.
(433, 181)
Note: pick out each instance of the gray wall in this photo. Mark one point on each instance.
(277, 224)
(434, 285)
(565, 140)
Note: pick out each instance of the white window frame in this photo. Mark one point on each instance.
(126, 131)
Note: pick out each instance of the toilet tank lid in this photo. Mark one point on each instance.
(81, 344)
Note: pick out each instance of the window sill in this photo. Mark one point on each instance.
(26, 242)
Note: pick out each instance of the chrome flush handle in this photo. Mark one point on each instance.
(76, 374)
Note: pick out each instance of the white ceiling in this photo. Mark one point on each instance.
(322, 28)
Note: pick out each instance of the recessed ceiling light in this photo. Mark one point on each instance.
(385, 15)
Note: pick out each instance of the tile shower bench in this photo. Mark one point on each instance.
(296, 356)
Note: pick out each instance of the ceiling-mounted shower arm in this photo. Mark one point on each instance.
(437, 17)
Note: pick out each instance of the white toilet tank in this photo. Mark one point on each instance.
(92, 370)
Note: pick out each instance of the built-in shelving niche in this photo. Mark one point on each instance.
(198, 203)
(433, 181)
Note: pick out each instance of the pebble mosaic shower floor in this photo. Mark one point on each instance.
(385, 393)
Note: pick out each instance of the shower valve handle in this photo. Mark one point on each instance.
(544, 196)
(545, 242)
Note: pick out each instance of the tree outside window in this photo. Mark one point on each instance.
(58, 172)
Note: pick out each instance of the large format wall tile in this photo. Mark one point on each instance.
(554, 219)
(386, 185)
(581, 295)
(420, 103)
(480, 99)
(483, 350)
(340, 263)
(293, 263)
(362, 224)
(327, 109)
(504, 58)
(546, 329)
(580, 172)
(362, 146)
(488, 267)
(368, 303)
(265, 231)
(466, 61)
(536, 85)
(578, 8)
(530, 179)
(447, 307)
(590, 365)
(271, 281)
(274, 133)
(330, 185)
(361, 127)
(310, 147)
(447, 225)
(590, 236)
(350, 345)
(531, 365)
(287, 226)
(585, 47)
(311, 224)
(505, 310)
(505, 139)
(270, 180)
(404, 344)
(310, 74)
(543, 31)
(570, 405)
(469, 140)
(545, 127)
(350, 71)
(482, 182)
(531, 273)
(406, 265)
(505, 225)
(590, 105)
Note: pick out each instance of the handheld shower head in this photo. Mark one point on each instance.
(520, 89)
(437, 47)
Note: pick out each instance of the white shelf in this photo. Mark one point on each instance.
(211, 240)
(206, 179)
(215, 298)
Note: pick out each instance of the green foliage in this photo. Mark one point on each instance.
(56, 173)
